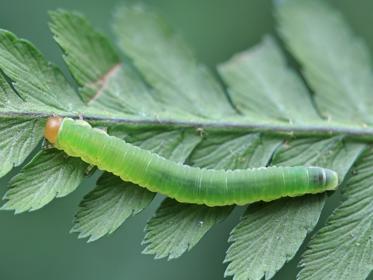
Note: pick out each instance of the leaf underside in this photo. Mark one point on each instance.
(163, 84)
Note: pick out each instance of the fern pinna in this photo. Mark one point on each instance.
(169, 104)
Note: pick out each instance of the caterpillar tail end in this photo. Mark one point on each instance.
(51, 129)
(331, 179)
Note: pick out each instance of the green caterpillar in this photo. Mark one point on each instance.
(181, 182)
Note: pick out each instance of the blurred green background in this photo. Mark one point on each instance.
(37, 245)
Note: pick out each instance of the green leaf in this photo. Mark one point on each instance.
(177, 228)
(335, 62)
(342, 92)
(266, 228)
(48, 175)
(36, 80)
(343, 249)
(168, 64)
(105, 208)
(18, 138)
(269, 234)
(9, 98)
(106, 83)
(277, 223)
(89, 52)
(4, 89)
(234, 151)
(247, 74)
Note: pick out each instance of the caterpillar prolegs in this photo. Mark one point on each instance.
(182, 182)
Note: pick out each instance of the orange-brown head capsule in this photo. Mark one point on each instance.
(51, 129)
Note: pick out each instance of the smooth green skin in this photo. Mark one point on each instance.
(184, 183)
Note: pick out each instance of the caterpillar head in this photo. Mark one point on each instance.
(51, 129)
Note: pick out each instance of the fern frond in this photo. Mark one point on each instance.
(161, 99)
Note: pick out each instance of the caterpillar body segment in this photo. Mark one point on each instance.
(182, 182)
